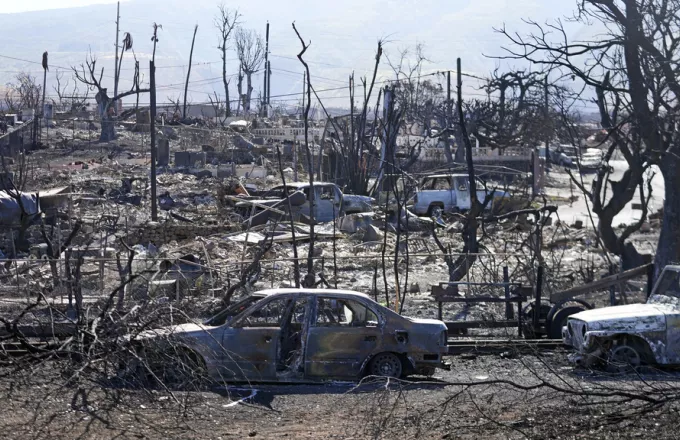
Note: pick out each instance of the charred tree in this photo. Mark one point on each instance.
(88, 75)
(250, 53)
(632, 70)
(225, 23)
(186, 84)
(310, 278)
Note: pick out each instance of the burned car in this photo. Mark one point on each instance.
(439, 193)
(302, 335)
(628, 336)
(329, 203)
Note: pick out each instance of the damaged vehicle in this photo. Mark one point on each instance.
(624, 337)
(329, 203)
(298, 335)
(449, 192)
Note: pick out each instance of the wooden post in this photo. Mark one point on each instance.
(537, 300)
(102, 255)
(547, 117)
(612, 288)
(508, 307)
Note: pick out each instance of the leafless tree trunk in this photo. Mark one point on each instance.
(225, 23)
(631, 68)
(88, 75)
(250, 52)
(69, 99)
(310, 278)
(186, 85)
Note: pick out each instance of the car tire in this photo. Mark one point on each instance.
(386, 365)
(623, 359)
(435, 211)
(559, 320)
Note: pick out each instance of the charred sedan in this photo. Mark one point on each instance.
(300, 335)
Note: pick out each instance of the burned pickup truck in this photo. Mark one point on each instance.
(449, 192)
(627, 336)
(297, 335)
(329, 203)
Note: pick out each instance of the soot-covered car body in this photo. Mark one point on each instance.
(631, 334)
(301, 335)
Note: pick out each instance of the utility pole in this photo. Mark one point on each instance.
(269, 84)
(547, 119)
(115, 66)
(42, 112)
(152, 84)
(152, 105)
(266, 74)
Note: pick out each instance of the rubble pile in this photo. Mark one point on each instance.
(207, 205)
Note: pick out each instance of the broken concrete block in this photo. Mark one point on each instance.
(201, 174)
(199, 156)
(354, 222)
(372, 234)
(183, 159)
(226, 171)
(163, 156)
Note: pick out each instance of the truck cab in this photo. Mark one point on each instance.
(448, 192)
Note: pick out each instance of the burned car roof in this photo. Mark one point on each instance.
(283, 291)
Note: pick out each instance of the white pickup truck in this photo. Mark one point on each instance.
(448, 192)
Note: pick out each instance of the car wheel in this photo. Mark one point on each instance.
(435, 211)
(559, 320)
(623, 358)
(386, 365)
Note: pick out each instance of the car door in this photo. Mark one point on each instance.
(250, 343)
(325, 203)
(481, 192)
(462, 193)
(343, 333)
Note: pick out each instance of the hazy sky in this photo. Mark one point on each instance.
(343, 36)
(11, 6)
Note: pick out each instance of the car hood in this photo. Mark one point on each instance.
(365, 199)
(266, 202)
(423, 322)
(636, 317)
(174, 330)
